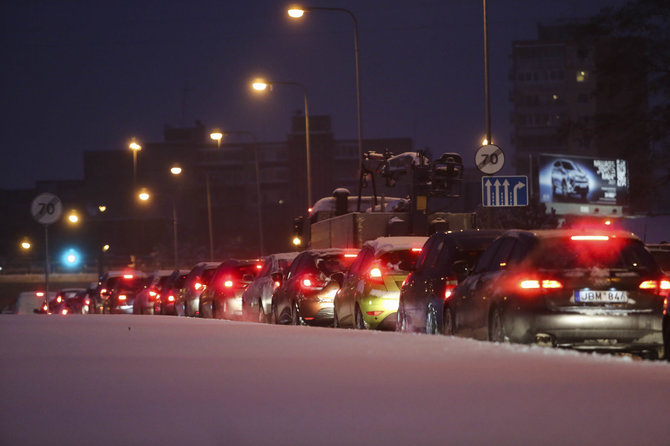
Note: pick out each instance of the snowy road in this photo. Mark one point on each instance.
(121, 380)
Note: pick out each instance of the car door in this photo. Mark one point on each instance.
(345, 297)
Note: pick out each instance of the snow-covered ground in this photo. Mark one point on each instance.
(143, 380)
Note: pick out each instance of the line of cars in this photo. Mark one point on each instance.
(593, 290)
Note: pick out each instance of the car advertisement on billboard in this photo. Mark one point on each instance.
(579, 180)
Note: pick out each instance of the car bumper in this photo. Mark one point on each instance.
(371, 306)
(598, 331)
(317, 312)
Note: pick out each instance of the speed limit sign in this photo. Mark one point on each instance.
(489, 159)
(46, 208)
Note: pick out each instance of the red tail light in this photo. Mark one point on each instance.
(449, 287)
(351, 255)
(375, 274)
(540, 284)
(416, 249)
(228, 283)
(198, 285)
(660, 287)
(153, 294)
(276, 285)
(127, 276)
(39, 293)
(170, 298)
(59, 299)
(374, 313)
(45, 308)
(63, 311)
(310, 283)
(87, 301)
(123, 297)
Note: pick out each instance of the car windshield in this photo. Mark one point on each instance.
(402, 260)
(565, 253)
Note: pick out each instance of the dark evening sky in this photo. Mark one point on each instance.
(85, 74)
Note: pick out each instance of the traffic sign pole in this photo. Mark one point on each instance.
(46, 209)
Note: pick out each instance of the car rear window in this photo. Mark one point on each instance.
(564, 253)
(399, 261)
(336, 263)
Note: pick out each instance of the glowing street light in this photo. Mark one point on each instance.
(105, 247)
(134, 147)
(261, 86)
(73, 217)
(217, 136)
(296, 13)
(25, 245)
(102, 208)
(144, 195)
(175, 171)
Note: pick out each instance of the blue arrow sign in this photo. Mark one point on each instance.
(504, 191)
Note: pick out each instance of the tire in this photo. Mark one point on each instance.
(447, 321)
(295, 317)
(219, 309)
(261, 314)
(359, 322)
(431, 320)
(496, 328)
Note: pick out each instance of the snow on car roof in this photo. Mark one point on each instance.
(327, 204)
(548, 233)
(285, 255)
(386, 244)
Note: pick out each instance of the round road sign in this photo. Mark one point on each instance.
(46, 208)
(489, 159)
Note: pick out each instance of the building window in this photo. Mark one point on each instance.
(582, 76)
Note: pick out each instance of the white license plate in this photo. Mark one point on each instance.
(601, 296)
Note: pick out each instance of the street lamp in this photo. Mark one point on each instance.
(73, 217)
(216, 135)
(259, 198)
(261, 86)
(298, 13)
(144, 195)
(175, 171)
(25, 245)
(134, 147)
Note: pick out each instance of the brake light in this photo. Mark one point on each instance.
(536, 284)
(170, 298)
(598, 238)
(64, 311)
(375, 273)
(153, 293)
(660, 287)
(416, 249)
(374, 313)
(276, 285)
(123, 297)
(259, 266)
(128, 276)
(311, 284)
(59, 299)
(45, 308)
(449, 287)
(198, 285)
(352, 255)
(103, 291)
(39, 293)
(228, 283)
(87, 301)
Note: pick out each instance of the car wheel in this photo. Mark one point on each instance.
(261, 314)
(496, 329)
(295, 317)
(359, 322)
(431, 320)
(447, 321)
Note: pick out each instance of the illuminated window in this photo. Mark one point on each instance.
(582, 76)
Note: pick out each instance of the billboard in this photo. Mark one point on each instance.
(582, 181)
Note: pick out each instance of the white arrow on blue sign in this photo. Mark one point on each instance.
(503, 191)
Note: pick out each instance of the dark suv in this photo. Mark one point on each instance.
(586, 290)
(445, 260)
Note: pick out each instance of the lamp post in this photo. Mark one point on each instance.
(259, 198)
(175, 171)
(298, 13)
(134, 147)
(261, 85)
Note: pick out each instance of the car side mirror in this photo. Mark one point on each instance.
(338, 277)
